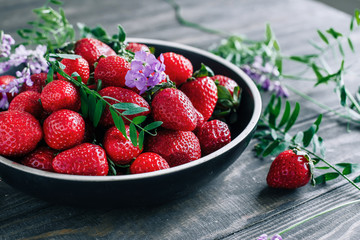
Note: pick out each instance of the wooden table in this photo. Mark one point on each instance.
(238, 204)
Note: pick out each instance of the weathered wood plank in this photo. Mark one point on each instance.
(237, 205)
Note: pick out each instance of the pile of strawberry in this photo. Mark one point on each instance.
(45, 129)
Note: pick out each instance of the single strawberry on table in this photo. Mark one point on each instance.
(118, 148)
(91, 49)
(112, 71)
(83, 159)
(289, 170)
(41, 159)
(60, 94)
(213, 135)
(176, 147)
(174, 109)
(64, 129)
(202, 92)
(178, 67)
(148, 162)
(79, 65)
(20, 132)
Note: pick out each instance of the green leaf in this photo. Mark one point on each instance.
(352, 23)
(84, 102)
(309, 134)
(357, 179)
(357, 16)
(50, 75)
(274, 113)
(121, 34)
(153, 125)
(334, 33)
(323, 37)
(119, 122)
(316, 70)
(351, 45)
(133, 111)
(270, 148)
(92, 105)
(293, 117)
(204, 71)
(298, 138)
(304, 59)
(278, 64)
(64, 56)
(341, 50)
(223, 93)
(286, 115)
(343, 95)
(125, 106)
(326, 177)
(99, 109)
(268, 33)
(141, 139)
(133, 134)
(139, 119)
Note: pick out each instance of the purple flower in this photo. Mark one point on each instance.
(146, 71)
(5, 45)
(262, 75)
(265, 237)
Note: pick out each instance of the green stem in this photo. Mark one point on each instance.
(306, 97)
(317, 215)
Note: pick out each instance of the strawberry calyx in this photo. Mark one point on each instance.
(204, 71)
(149, 94)
(227, 103)
(298, 151)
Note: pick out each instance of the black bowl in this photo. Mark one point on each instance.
(154, 187)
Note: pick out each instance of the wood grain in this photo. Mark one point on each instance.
(237, 205)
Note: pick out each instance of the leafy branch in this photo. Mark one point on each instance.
(93, 105)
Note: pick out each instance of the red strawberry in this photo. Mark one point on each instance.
(29, 102)
(91, 49)
(64, 129)
(5, 80)
(60, 94)
(203, 94)
(148, 162)
(178, 67)
(213, 135)
(112, 70)
(118, 148)
(200, 121)
(125, 96)
(135, 47)
(174, 109)
(79, 65)
(84, 159)
(289, 170)
(227, 82)
(20, 132)
(176, 147)
(41, 158)
(39, 82)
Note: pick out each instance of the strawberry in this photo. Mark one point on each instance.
(91, 49)
(200, 121)
(41, 158)
(84, 159)
(112, 70)
(60, 94)
(29, 102)
(176, 147)
(178, 67)
(118, 148)
(20, 132)
(213, 135)
(135, 47)
(289, 170)
(125, 96)
(227, 82)
(202, 92)
(39, 82)
(174, 109)
(79, 65)
(64, 129)
(148, 162)
(5, 80)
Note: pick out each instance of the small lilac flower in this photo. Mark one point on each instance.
(5, 45)
(265, 237)
(146, 71)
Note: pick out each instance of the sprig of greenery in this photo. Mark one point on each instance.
(51, 28)
(274, 137)
(93, 105)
